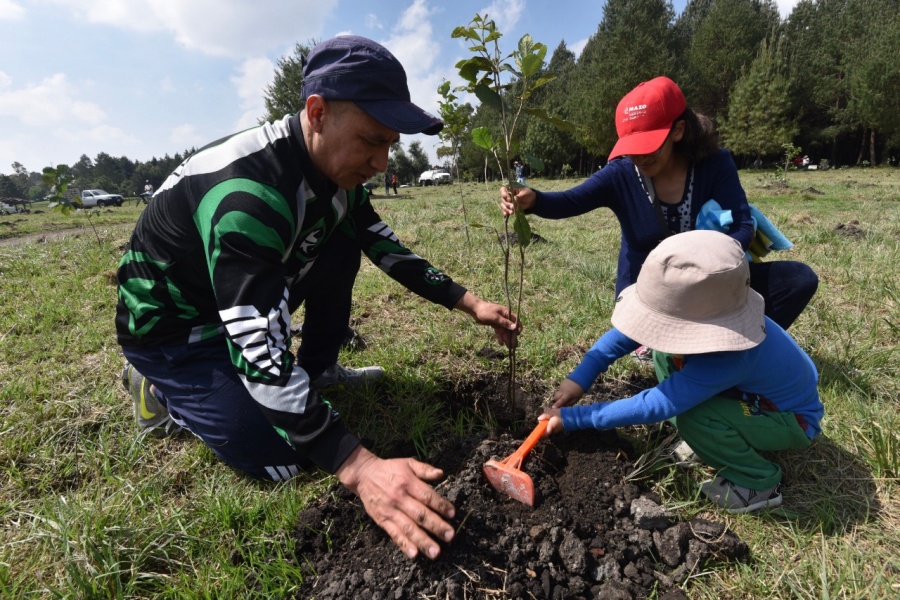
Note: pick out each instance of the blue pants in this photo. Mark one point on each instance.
(786, 286)
(202, 390)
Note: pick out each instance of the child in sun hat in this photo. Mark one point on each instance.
(731, 380)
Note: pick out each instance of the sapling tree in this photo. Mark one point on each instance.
(790, 153)
(456, 118)
(59, 179)
(505, 84)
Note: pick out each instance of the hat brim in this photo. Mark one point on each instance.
(401, 116)
(645, 142)
(743, 329)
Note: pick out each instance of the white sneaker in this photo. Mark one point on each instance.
(684, 455)
(341, 378)
(737, 499)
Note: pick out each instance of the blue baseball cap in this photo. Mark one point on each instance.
(354, 68)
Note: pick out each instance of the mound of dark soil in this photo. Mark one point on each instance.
(590, 534)
(851, 229)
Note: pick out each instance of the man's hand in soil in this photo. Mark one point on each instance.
(554, 421)
(524, 197)
(506, 326)
(395, 495)
(567, 394)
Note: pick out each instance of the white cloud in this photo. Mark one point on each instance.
(415, 45)
(187, 136)
(11, 11)
(373, 22)
(785, 7)
(106, 135)
(505, 13)
(51, 101)
(578, 46)
(250, 83)
(165, 85)
(232, 28)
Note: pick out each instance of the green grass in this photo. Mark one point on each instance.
(42, 219)
(88, 510)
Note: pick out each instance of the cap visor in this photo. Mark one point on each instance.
(740, 330)
(402, 117)
(645, 142)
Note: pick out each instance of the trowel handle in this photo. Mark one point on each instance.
(530, 441)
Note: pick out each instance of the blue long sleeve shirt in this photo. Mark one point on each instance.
(618, 187)
(777, 369)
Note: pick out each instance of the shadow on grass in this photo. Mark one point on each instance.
(827, 488)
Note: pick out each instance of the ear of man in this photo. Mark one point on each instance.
(318, 109)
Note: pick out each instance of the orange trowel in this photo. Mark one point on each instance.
(506, 476)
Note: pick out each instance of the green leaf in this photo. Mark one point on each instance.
(531, 64)
(522, 229)
(526, 45)
(468, 70)
(510, 69)
(464, 32)
(534, 162)
(543, 80)
(483, 138)
(489, 97)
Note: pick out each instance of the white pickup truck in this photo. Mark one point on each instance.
(92, 198)
(434, 177)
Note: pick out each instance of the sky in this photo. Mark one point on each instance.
(146, 78)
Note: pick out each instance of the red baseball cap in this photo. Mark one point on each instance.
(645, 116)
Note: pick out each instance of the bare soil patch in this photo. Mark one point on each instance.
(591, 534)
(851, 229)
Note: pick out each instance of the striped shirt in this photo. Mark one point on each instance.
(226, 237)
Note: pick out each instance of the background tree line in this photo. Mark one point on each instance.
(826, 79)
(117, 175)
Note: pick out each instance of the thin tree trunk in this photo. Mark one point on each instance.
(862, 149)
(872, 158)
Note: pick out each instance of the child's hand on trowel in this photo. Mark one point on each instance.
(553, 419)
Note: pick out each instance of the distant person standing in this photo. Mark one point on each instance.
(148, 192)
(520, 173)
(394, 182)
(387, 183)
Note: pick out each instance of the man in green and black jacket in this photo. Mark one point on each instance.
(235, 240)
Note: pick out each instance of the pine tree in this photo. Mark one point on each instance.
(634, 43)
(761, 111)
(285, 94)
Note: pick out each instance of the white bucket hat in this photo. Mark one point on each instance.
(693, 296)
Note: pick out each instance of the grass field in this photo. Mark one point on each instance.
(89, 510)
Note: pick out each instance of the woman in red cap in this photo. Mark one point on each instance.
(669, 165)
